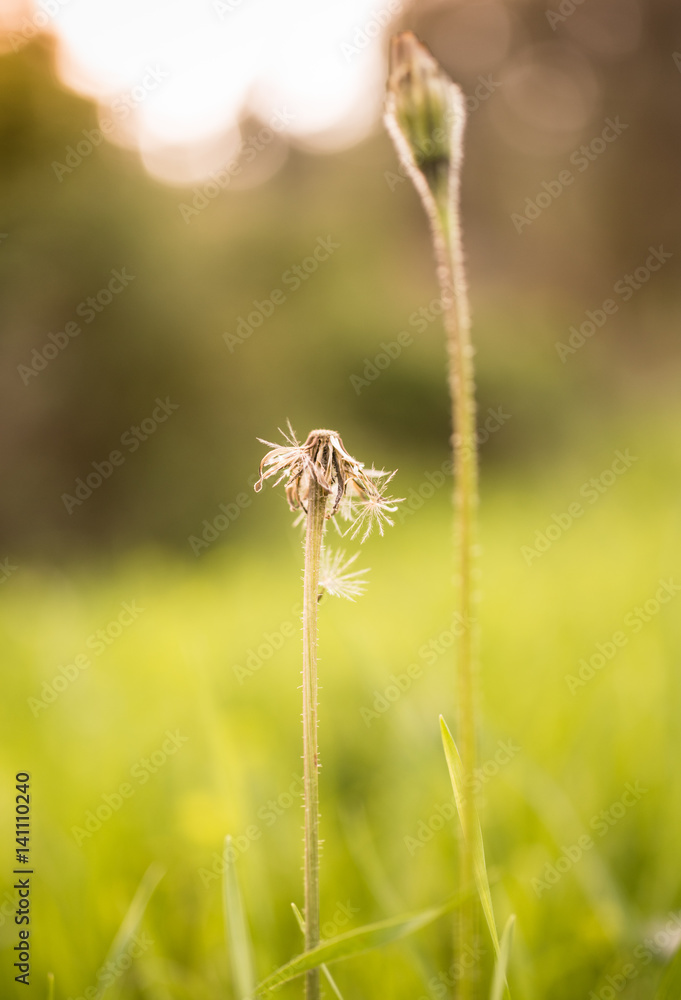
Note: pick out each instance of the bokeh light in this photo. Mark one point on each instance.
(191, 71)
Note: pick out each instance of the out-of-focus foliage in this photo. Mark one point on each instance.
(546, 91)
(215, 655)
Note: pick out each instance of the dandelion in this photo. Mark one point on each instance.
(347, 485)
(322, 480)
(425, 116)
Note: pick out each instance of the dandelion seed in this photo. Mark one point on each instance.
(334, 578)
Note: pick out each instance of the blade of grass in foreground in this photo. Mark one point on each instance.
(670, 987)
(133, 917)
(236, 929)
(357, 941)
(325, 969)
(50, 986)
(456, 773)
(499, 978)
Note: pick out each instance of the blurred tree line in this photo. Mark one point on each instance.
(170, 339)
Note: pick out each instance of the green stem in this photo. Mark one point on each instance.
(426, 117)
(316, 505)
(449, 253)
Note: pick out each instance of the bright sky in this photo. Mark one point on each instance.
(188, 69)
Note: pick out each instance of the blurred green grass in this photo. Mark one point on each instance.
(174, 669)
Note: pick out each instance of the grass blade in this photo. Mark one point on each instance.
(299, 917)
(358, 941)
(236, 927)
(50, 986)
(501, 965)
(133, 917)
(456, 773)
(670, 987)
(325, 969)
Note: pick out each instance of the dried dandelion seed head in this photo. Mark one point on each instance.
(425, 116)
(357, 492)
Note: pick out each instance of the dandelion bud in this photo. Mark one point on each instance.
(425, 115)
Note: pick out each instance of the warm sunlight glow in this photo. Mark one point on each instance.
(183, 73)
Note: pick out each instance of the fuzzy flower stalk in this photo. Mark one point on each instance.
(322, 480)
(425, 116)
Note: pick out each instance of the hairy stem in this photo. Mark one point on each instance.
(449, 255)
(313, 544)
(425, 115)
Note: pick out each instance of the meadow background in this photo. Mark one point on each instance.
(212, 653)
